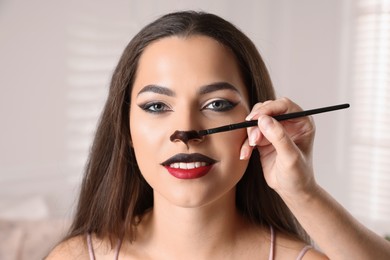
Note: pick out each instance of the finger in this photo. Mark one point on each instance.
(246, 150)
(260, 104)
(273, 107)
(254, 135)
(274, 132)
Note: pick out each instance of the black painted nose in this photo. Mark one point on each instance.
(186, 136)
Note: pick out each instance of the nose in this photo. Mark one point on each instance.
(189, 119)
(186, 136)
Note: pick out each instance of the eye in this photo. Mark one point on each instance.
(220, 105)
(155, 107)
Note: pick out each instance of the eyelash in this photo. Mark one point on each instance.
(227, 105)
(151, 107)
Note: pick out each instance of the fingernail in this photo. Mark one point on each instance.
(249, 117)
(243, 154)
(253, 135)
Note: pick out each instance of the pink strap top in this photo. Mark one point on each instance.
(92, 253)
(271, 251)
(272, 247)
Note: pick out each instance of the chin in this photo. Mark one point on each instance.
(198, 197)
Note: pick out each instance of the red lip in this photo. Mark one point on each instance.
(189, 173)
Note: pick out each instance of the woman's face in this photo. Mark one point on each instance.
(186, 84)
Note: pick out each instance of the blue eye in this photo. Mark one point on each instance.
(220, 105)
(155, 107)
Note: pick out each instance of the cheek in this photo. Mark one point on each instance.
(147, 142)
(231, 140)
(142, 133)
(229, 145)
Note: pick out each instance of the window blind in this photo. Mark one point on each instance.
(95, 43)
(370, 128)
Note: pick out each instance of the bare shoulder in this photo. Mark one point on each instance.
(314, 254)
(73, 248)
(288, 247)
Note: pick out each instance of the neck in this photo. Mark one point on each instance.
(192, 231)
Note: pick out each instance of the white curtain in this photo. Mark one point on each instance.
(370, 129)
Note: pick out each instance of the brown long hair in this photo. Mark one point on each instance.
(114, 195)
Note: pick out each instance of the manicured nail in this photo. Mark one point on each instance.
(253, 135)
(243, 154)
(249, 117)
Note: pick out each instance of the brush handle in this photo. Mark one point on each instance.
(278, 118)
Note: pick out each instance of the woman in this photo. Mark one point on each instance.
(151, 193)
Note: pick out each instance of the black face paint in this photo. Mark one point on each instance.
(185, 136)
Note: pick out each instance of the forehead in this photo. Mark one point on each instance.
(194, 60)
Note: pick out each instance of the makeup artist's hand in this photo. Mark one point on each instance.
(285, 147)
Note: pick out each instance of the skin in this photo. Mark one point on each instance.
(184, 70)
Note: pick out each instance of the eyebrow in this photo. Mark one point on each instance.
(216, 87)
(202, 91)
(157, 89)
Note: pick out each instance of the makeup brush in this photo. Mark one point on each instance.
(278, 118)
(185, 136)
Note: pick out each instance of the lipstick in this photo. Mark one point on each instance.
(189, 173)
(188, 166)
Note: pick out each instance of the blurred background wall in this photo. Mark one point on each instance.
(56, 59)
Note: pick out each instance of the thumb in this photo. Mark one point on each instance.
(274, 132)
